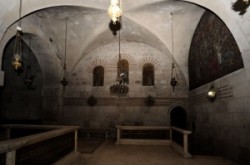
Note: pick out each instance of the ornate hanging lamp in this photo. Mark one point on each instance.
(173, 81)
(17, 54)
(115, 10)
(64, 81)
(120, 86)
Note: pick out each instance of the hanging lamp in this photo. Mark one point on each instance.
(17, 54)
(173, 81)
(115, 10)
(64, 81)
(120, 86)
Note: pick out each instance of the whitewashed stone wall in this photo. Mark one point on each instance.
(71, 108)
(81, 78)
(223, 126)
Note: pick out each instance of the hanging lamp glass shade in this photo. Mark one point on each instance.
(114, 11)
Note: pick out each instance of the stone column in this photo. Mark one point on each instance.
(11, 158)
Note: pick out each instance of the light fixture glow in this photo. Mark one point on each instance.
(211, 94)
(114, 10)
(246, 1)
(16, 61)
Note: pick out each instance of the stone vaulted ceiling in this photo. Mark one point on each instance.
(145, 21)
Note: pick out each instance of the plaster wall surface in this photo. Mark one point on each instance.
(225, 123)
(71, 106)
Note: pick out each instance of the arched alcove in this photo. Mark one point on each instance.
(21, 102)
(178, 118)
(98, 76)
(148, 76)
(213, 53)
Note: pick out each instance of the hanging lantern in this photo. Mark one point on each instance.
(17, 55)
(64, 81)
(173, 81)
(120, 86)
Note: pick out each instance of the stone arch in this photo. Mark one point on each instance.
(177, 109)
(152, 60)
(228, 16)
(232, 21)
(95, 63)
(123, 67)
(148, 74)
(178, 104)
(45, 57)
(182, 105)
(16, 95)
(178, 117)
(98, 76)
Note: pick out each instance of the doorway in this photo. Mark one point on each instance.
(178, 118)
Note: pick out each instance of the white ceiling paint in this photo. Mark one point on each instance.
(144, 21)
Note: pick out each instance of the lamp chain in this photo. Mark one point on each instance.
(20, 14)
(173, 81)
(64, 81)
(29, 55)
(66, 37)
(119, 51)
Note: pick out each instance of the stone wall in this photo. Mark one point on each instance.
(222, 127)
(20, 102)
(70, 107)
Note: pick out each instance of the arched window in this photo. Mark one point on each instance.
(98, 76)
(148, 75)
(123, 67)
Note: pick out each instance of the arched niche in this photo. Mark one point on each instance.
(17, 95)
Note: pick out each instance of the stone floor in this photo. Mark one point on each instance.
(110, 154)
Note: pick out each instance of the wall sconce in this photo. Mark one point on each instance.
(211, 94)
